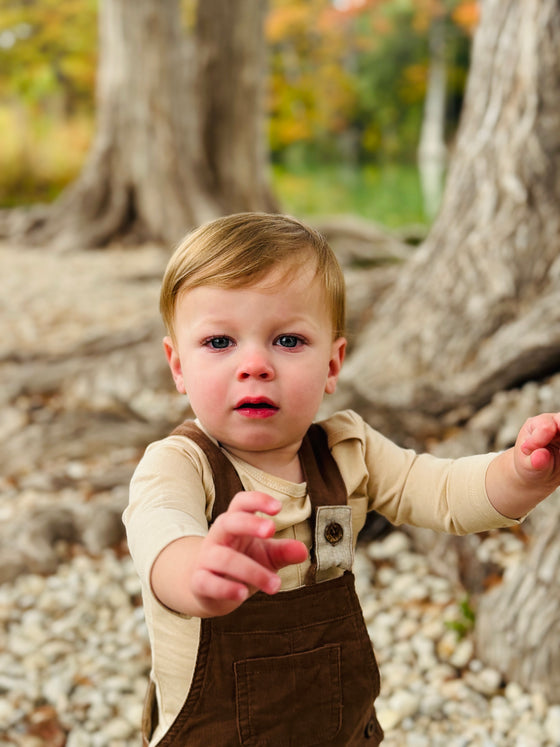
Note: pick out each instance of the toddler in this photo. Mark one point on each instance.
(242, 523)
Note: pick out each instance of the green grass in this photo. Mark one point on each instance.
(389, 195)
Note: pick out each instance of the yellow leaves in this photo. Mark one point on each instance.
(465, 14)
(425, 12)
(310, 85)
(412, 87)
(53, 51)
(40, 155)
(284, 19)
(372, 139)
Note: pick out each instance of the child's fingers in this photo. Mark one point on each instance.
(240, 552)
(253, 501)
(540, 431)
(208, 585)
(240, 520)
(286, 552)
(225, 563)
(540, 459)
(231, 527)
(539, 442)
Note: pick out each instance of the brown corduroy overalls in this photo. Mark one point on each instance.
(291, 670)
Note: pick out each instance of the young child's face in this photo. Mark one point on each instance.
(256, 361)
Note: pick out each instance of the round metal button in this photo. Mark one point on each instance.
(370, 729)
(334, 533)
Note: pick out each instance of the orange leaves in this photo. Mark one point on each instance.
(357, 65)
(284, 19)
(310, 85)
(467, 15)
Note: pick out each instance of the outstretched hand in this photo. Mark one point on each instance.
(239, 555)
(521, 477)
(537, 451)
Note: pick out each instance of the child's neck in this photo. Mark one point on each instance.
(285, 465)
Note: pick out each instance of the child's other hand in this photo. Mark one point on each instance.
(239, 555)
(537, 451)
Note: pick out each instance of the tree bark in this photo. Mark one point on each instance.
(518, 623)
(149, 173)
(232, 60)
(476, 310)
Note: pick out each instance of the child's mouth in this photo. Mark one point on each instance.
(256, 408)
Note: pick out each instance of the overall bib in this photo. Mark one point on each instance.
(291, 670)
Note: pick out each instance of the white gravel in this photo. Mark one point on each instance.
(74, 658)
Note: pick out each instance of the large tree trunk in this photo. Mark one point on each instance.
(476, 310)
(149, 173)
(232, 58)
(518, 622)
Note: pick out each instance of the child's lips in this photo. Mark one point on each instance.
(256, 407)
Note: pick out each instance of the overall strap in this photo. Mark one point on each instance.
(324, 481)
(226, 479)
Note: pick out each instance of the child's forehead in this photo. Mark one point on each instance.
(284, 274)
(297, 286)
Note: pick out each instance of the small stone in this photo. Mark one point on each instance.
(539, 706)
(133, 714)
(6, 712)
(432, 705)
(529, 735)
(78, 738)
(487, 681)
(394, 544)
(513, 691)
(388, 718)
(462, 654)
(405, 703)
(117, 728)
(552, 724)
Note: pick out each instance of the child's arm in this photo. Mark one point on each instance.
(213, 575)
(521, 477)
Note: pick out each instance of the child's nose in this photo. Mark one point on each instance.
(256, 365)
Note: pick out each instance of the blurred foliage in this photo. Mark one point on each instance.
(48, 59)
(48, 54)
(465, 620)
(348, 77)
(347, 84)
(388, 193)
(39, 156)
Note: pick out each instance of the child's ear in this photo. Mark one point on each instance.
(338, 351)
(174, 364)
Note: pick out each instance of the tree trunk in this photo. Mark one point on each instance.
(432, 151)
(149, 173)
(476, 310)
(232, 60)
(518, 623)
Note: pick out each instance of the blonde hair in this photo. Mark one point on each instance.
(238, 250)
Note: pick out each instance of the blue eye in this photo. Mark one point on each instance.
(289, 341)
(218, 343)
